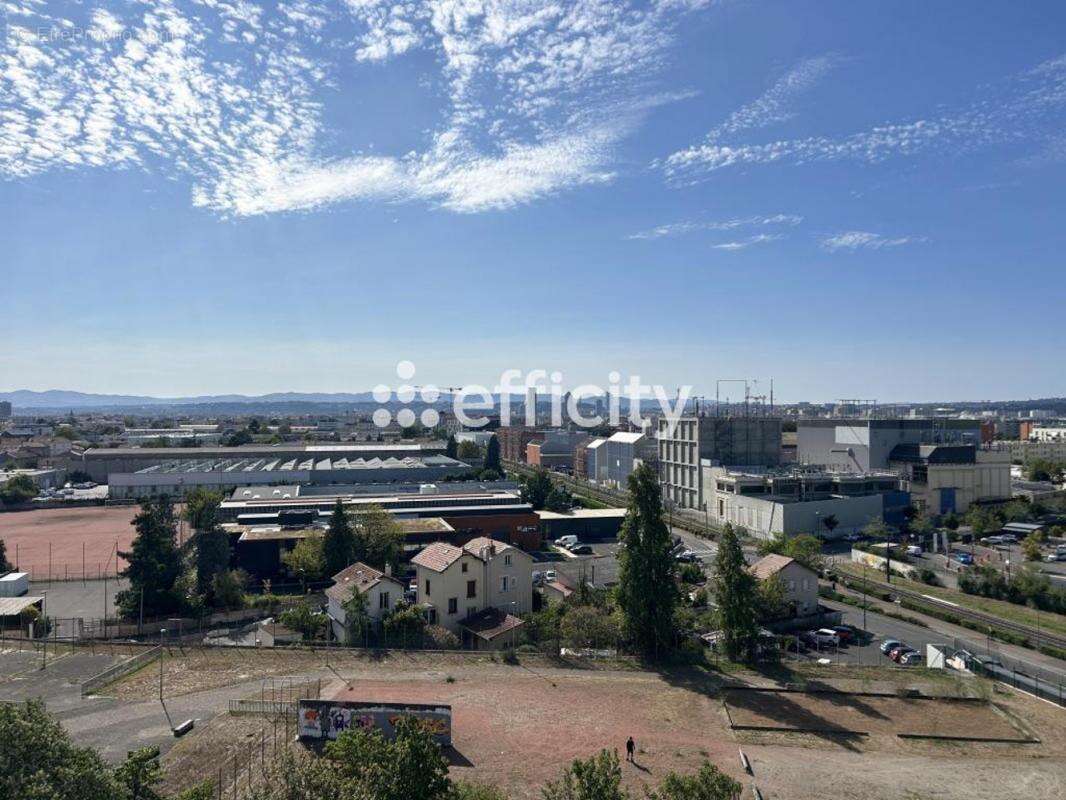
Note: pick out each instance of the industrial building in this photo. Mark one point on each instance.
(175, 478)
(555, 449)
(861, 445)
(734, 440)
(944, 478)
(101, 462)
(795, 501)
(474, 511)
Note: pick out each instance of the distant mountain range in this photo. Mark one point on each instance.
(60, 398)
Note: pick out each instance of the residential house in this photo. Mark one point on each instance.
(799, 582)
(456, 584)
(382, 593)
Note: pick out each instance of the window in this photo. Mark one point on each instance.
(507, 560)
(471, 610)
(427, 587)
(465, 565)
(471, 588)
(383, 601)
(503, 583)
(453, 605)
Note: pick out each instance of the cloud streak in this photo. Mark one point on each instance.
(229, 95)
(691, 226)
(744, 244)
(851, 241)
(1028, 108)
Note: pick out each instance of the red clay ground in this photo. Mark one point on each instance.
(27, 535)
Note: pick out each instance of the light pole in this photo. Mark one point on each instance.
(44, 617)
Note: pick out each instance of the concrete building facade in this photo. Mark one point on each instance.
(684, 444)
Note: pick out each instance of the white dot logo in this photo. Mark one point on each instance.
(406, 394)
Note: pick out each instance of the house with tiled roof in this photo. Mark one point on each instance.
(457, 584)
(381, 590)
(800, 584)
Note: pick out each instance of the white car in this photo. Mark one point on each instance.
(825, 636)
(566, 541)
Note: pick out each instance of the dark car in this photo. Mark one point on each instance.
(581, 550)
(847, 635)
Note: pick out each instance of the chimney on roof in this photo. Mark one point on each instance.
(388, 570)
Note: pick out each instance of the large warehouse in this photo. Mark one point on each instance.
(101, 462)
(177, 477)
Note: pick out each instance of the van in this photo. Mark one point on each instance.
(914, 550)
(566, 541)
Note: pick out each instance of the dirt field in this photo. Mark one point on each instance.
(518, 726)
(101, 529)
(887, 716)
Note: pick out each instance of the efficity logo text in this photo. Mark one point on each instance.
(588, 405)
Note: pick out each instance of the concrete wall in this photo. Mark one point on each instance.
(766, 517)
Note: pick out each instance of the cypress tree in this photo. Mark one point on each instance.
(736, 594)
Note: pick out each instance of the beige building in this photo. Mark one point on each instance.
(382, 593)
(457, 583)
(1024, 452)
(986, 478)
(799, 582)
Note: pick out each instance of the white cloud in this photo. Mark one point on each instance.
(691, 226)
(851, 241)
(229, 94)
(1027, 109)
(743, 244)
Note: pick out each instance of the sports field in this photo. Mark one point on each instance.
(61, 542)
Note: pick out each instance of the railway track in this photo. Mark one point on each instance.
(1035, 636)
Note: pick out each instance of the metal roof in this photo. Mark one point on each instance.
(13, 606)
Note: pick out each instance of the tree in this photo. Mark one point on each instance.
(305, 620)
(595, 778)
(468, 450)
(647, 589)
(1031, 547)
(153, 563)
(559, 500)
(735, 592)
(338, 545)
(806, 549)
(831, 523)
(79, 476)
(39, 761)
(410, 767)
(356, 616)
(378, 537)
(589, 626)
(209, 542)
(227, 588)
(5, 565)
(950, 521)
(536, 488)
(771, 599)
(404, 625)
(306, 560)
(709, 783)
(19, 489)
(492, 455)
(140, 773)
(452, 448)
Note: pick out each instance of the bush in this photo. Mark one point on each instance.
(435, 637)
(928, 577)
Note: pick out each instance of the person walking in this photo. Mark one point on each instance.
(630, 747)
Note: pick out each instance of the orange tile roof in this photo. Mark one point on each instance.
(438, 556)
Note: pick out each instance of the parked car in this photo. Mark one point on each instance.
(992, 540)
(854, 537)
(549, 575)
(538, 578)
(826, 637)
(914, 550)
(963, 558)
(888, 644)
(896, 653)
(847, 635)
(913, 657)
(1008, 538)
(581, 550)
(566, 541)
(687, 557)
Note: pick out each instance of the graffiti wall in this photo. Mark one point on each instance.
(326, 719)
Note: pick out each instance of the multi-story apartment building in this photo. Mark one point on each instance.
(742, 441)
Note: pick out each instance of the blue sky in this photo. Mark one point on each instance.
(858, 199)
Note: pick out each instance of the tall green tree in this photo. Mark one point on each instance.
(39, 761)
(735, 592)
(410, 767)
(306, 560)
(535, 488)
(338, 545)
(5, 565)
(492, 455)
(452, 447)
(210, 544)
(153, 562)
(19, 489)
(647, 589)
(356, 616)
(378, 537)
